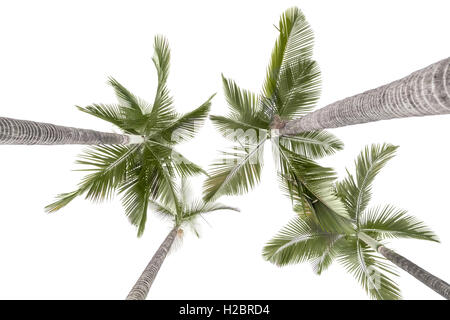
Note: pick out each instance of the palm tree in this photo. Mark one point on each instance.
(422, 93)
(304, 239)
(144, 170)
(291, 89)
(13, 131)
(182, 213)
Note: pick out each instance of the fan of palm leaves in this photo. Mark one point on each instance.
(291, 89)
(304, 238)
(145, 171)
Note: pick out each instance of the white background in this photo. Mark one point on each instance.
(56, 54)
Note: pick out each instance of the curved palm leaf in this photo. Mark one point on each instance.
(108, 112)
(243, 105)
(361, 261)
(186, 126)
(199, 207)
(355, 193)
(175, 160)
(294, 41)
(162, 113)
(150, 179)
(236, 172)
(326, 258)
(389, 222)
(300, 240)
(232, 129)
(310, 185)
(298, 88)
(108, 164)
(312, 145)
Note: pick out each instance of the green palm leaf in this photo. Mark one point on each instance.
(130, 105)
(368, 269)
(310, 185)
(149, 179)
(135, 199)
(236, 172)
(312, 145)
(108, 112)
(244, 105)
(162, 113)
(200, 207)
(232, 129)
(108, 166)
(389, 222)
(300, 240)
(298, 89)
(174, 160)
(294, 41)
(327, 257)
(355, 193)
(186, 126)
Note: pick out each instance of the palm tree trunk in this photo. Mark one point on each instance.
(431, 281)
(145, 281)
(13, 131)
(424, 92)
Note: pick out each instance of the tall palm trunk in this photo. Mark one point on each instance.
(13, 131)
(145, 281)
(433, 282)
(424, 92)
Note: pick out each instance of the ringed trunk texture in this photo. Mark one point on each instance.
(433, 282)
(13, 131)
(422, 93)
(145, 281)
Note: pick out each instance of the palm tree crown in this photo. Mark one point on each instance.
(304, 239)
(146, 170)
(291, 88)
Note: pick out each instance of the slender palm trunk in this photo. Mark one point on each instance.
(13, 131)
(145, 281)
(431, 281)
(424, 92)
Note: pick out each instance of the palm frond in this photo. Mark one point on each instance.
(162, 210)
(294, 41)
(149, 180)
(233, 129)
(310, 185)
(135, 201)
(163, 177)
(298, 88)
(388, 222)
(369, 270)
(355, 192)
(327, 257)
(185, 167)
(162, 113)
(128, 102)
(313, 144)
(199, 207)
(108, 165)
(300, 240)
(186, 126)
(236, 172)
(173, 160)
(62, 200)
(161, 58)
(108, 112)
(244, 106)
